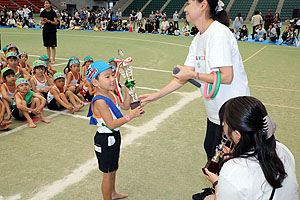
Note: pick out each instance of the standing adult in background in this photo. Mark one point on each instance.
(26, 12)
(277, 24)
(255, 21)
(119, 14)
(49, 20)
(175, 19)
(132, 18)
(213, 49)
(139, 16)
(238, 21)
(268, 19)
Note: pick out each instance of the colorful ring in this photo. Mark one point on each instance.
(213, 87)
(217, 87)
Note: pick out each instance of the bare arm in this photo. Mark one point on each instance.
(5, 94)
(126, 104)
(2, 110)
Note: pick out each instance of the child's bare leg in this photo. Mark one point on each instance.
(72, 88)
(71, 97)
(37, 103)
(48, 52)
(64, 98)
(106, 186)
(77, 99)
(7, 107)
(116, 195)
(27, 116)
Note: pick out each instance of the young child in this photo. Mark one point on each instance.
(3, 58)
(8, 89)
(40, 81)
(27, 102)
(87, 61)
(59, 98)
(13, 48)
(13, 63)
(88, 91)
(50, 69)
(23, 57)
(3, 124)
(74, 82)
(106, 115)
(67, 68)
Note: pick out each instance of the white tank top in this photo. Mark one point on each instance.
(40, 84)
(100, 122)
(11, 94)
(74, 80)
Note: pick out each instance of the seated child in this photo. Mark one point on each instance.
(13, 63)
(285, 33)
(260, 33)
(291, 36)
(3, 124)
(23, 57)
(67, 68)
(50, 69)
(87, 61)
(12, 48)
(8, 89)
(59, 98)
(3, 58)
(27, 103)
(73, 80)
(272, 34)
(105, 112)
(88, 91)
(40, 81)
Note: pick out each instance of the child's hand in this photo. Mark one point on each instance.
(137, 112)
(36, 111)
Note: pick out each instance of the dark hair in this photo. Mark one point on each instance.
(246, 115)
(8, 72)
(221, 16)
(256, 12)
(49, 3)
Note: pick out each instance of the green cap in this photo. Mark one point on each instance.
(21, 81)
(58, 75)
(88, 59)
(44, 58)
(5, 69)
(39, 63)
(11, 54)
(5, 48)
(111, 60)
(73, 57)
(74, 61)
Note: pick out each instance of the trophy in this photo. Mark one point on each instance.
(126, 71)
(213, 164)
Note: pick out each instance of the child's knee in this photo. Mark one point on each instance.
(62, 95)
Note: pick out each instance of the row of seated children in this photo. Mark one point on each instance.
(41, 85)
(289, 35)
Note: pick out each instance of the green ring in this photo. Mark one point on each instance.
(217, 86)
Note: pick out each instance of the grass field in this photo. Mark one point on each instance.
(162, 152)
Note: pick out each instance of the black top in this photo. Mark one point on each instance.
(48, 27)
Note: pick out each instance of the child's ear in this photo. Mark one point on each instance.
(95, 82)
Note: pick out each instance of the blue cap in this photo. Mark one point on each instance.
(96, 68)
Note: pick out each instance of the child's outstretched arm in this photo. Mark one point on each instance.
(100, 107)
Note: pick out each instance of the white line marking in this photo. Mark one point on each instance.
(15, 197)
(78, 174)
(244, 61)
(25, 126)
(59, 64)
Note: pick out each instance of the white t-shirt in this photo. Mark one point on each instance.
(243, 179)
(164, 25)
(215, 48)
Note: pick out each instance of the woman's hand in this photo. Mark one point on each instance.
(211, 176)
(147, 98)
(184, 74)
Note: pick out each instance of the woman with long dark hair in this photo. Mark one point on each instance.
(49, 20)
(259, 167)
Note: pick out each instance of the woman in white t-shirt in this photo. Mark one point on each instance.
(214, 48)
(259, 167)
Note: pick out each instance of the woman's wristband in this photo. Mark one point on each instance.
(127, 118)
(215, 184)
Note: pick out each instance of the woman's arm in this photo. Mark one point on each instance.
(226, 75)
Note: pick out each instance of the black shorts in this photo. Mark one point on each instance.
(49, 39)
(107, 152)
(15, 112)
(88, 97)
(54, 106)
